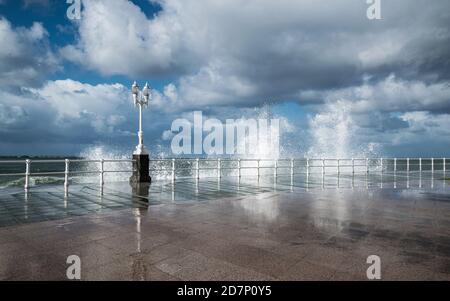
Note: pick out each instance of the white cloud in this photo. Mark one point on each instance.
(68, 108)
(395, 95)
(71, 98)
(117, 38)
(10, 114)
(426, 132)
(438, 125)
(25, 57)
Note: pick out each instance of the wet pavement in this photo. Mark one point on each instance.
(291, 229)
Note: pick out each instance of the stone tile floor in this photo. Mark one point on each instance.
(228, 231)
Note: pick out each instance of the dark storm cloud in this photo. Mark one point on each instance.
(380, 122)
(266, 50)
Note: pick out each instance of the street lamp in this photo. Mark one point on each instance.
(140, 99)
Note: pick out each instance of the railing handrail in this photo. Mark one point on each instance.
(222, 159)
(28, 173)
(310, 164)
(64, 160)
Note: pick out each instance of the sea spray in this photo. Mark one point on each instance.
(100, 152)
(331, 133)
(159, 169)
(334, 134)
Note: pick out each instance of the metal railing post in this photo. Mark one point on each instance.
(443, 165)
(420, 164)
(173, 170)
(102, 171)
(219, 171)
(307, 177)
(292, 168)
(257, 168)
(407, 164)
(239, 168)
(66, 176)
(323, 166)
(381, 181)
(323, 173)
(353, 166)
(381, 165)
(395, 164)
(367, 165)
(407, 180)
(307, 166)
(432, 164)
(275, 169)
(197, 167)
(338, 167)
(420, 179)
(432, 180)
(292, 175)
(27, 173)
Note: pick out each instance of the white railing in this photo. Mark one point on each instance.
(67, 170)
(304, 165)
(219, 166)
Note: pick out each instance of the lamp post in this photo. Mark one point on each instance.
(140, 99)
(140, 155)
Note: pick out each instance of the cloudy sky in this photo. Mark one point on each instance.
(343, 85)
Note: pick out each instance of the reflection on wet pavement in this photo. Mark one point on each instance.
(289, 229)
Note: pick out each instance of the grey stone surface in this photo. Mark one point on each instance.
(255, 233)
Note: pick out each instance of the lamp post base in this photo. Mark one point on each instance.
(140, 150)
(141, 172)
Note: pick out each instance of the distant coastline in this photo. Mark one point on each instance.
(39, 157)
